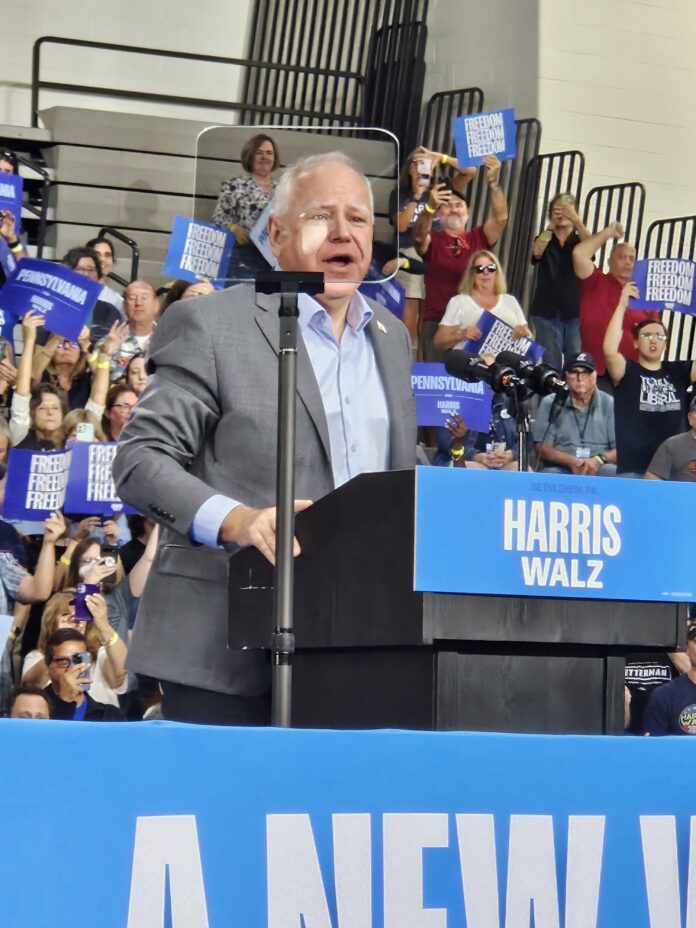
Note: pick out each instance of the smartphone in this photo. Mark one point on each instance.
(566, 198)
(424, 166)
(83, 658)
(109, 556)
(82, 591)
(84, 431)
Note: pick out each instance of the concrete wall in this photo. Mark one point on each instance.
(214, 27)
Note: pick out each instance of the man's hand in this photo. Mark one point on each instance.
(248, 527)
(492, 166)
(54, 528)
(590, 467)
(85, 528)
(117, 333)
(615, 229)
(112, 531)
(69, 686)
(439, 194)
(629, 290)
(457, 427)
(7, 226)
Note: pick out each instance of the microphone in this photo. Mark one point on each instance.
(548, 380)
(467, 366)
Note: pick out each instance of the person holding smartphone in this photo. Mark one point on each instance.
(69, 670)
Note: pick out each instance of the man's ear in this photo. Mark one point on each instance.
(277, 235)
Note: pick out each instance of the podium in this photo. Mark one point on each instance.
(374, 653)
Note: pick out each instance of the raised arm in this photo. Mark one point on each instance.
(37, 588)
(616, 363)
(102, 366)
(585, 250)
(8, 231)
(498, 215)
(439, 194)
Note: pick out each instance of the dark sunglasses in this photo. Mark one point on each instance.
(482, 268)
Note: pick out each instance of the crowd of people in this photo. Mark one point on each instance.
(625, 414)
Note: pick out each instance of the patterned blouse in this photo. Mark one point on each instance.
(241, 201)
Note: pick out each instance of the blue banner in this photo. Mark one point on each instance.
(552, 535)
(198, 249)
(388, 293)
(35, 485)
(439, 396)
(11, 189)
(63, 297)
(388, 829)
(665, 283)
(90, 488)
(491, 133)
(496, 336)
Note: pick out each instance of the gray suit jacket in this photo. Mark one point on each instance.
(206, 424)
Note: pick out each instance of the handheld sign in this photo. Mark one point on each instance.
(491, 133)
(496, 336)
(388, 293)
(439, 396)
(35, 483)
(198, 249)
(665, 283)
(259, 235)
(63, 297)
(555, 535)
(90, 486)
(11, 189)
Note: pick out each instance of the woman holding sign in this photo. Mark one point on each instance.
(483, 290)
(243, 199)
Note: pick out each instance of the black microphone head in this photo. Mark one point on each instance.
(512, 359)
(465, 365)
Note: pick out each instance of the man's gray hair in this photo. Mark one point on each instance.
(292, 174)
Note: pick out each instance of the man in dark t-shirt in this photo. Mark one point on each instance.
(675, 459)
(650, 395)
(671, 709)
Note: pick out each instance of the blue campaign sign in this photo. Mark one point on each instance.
(439, 396)
(35, 485)
(377, 829)
(198, 249)
(388, 293)
(90, 488)
(63, 297)
(496, 336)
(491, 133)
(665, 283)
(11, 188)
(555, 535)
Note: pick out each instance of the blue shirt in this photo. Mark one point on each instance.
(353, 397)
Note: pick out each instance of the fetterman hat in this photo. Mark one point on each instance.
(580, 360)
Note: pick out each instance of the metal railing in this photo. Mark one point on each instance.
(328, 116)
(675, 238)
(440, 110)
(41, 212)
(623, 202)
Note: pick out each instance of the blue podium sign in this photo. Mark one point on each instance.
(208, 827)
(553, 535)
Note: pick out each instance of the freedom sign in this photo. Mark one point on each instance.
(665, 283)
(64, 298)
(351, 829)
(491, 133)
(388, 293)
(36, 482)
(198, 249)
(260, 235)
(90, 488)
(555, 535)
(11, 190)
(439, 396)
(496, 336)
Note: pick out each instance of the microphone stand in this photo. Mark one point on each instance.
(289, 285)
(521, 403)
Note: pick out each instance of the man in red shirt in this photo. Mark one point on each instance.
(446, 252)
(600, 293)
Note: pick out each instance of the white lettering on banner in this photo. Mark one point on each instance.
(100, 483)
(48, 476)
(485, 134)
(8, 191)
(167, 842)
(500, 338)
(552, 527)
(51, 282)
(670, 281)
(444, 384)
(659, 839)
(297, 893)
(203, 250)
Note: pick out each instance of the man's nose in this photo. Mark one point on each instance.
(339, 229)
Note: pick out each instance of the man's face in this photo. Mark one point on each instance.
(140, 303)
(621, 261)
(326, 228)
(29, 706)
(87, 267)
(692, 421)
(106, 257)
(691, 651)
(454, 214)
(61, 661)
(651, 342)
(6, 166)
(582, 383)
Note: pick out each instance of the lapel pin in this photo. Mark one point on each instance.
(381, 327)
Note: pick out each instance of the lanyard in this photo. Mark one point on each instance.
(590, 410)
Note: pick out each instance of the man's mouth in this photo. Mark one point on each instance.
(339, 261)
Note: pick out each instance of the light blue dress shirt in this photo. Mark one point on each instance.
(354, 403)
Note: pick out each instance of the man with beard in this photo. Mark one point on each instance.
(447, 252)
(650, 394)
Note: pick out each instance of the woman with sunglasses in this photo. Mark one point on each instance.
(483, 289)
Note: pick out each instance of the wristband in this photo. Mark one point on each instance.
(65, 560)
(456, 453)
(112, 640)
(15, 246)
(406, 264)
(102, 365)
(600, 457)
(429, 209)
(233, 227)
(13, 635)
(444, 159)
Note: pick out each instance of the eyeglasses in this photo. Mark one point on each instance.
(88, 560)
(86, 270)
(55, 409)
(485, 268)
(653, 336)
(67, 344)
(126, 406)
(62, 662)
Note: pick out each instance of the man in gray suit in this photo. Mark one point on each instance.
(199, 453)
